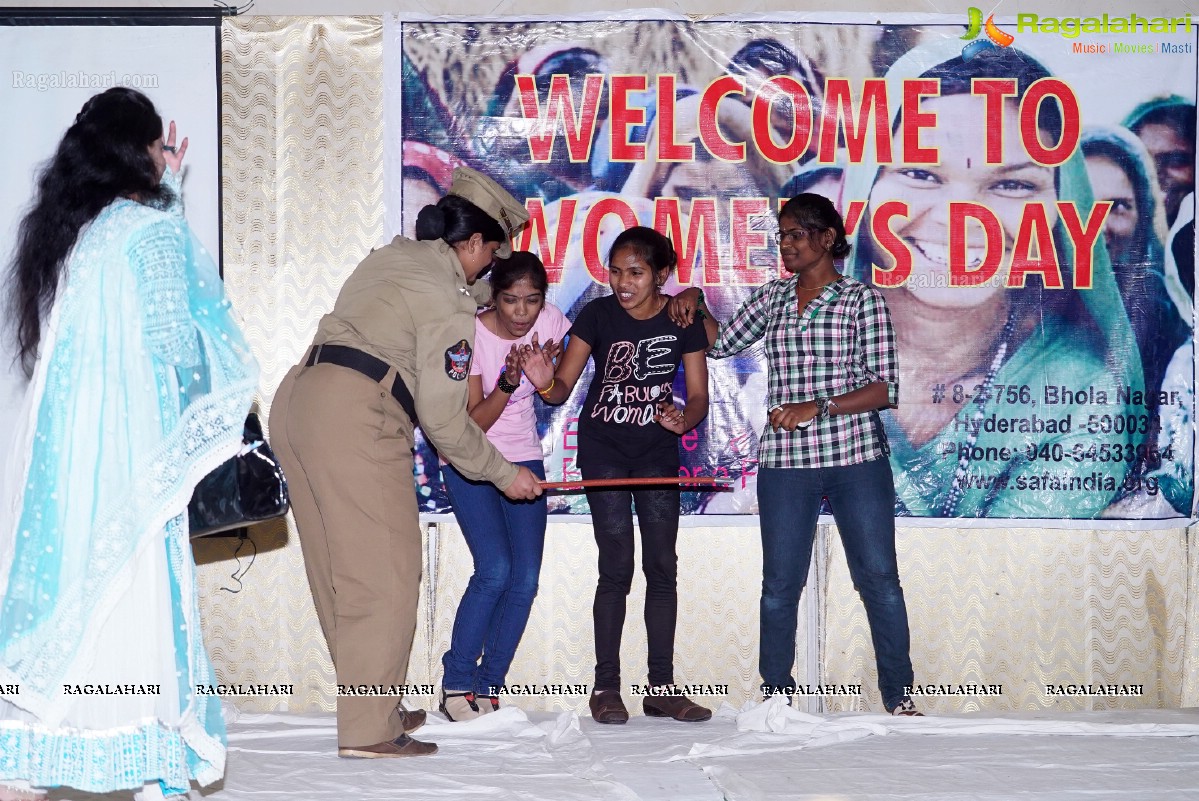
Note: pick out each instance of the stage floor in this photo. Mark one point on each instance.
(764, 753)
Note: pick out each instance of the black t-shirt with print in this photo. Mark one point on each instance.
(636, 362)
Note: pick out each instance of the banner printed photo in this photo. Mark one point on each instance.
(1026, 210)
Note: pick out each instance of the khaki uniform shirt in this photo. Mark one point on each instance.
(408, 303)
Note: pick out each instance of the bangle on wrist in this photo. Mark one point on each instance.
(503, 386)
(821, 408)
(543, 392)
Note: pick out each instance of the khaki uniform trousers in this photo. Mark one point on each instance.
(346, 448)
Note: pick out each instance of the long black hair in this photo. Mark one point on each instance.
(104, 155)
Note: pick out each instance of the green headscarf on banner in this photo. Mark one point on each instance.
(1026, 453)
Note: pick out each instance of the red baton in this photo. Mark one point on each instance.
(678, 481)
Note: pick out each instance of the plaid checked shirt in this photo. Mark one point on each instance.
(842, 342)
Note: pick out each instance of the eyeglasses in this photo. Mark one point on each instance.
(790, 233)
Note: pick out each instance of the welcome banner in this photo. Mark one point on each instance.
(1020, 191)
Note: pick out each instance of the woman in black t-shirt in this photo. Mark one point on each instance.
(629, 427)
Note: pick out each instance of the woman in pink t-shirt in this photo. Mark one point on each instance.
(505, 537)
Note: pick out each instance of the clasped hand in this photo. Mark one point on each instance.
(790, 416)
(671, 417)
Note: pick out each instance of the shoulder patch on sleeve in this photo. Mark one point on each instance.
(457, 360)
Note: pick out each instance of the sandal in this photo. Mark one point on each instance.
(459, 706)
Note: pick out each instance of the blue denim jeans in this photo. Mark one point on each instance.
(862, 497)
(506, 539)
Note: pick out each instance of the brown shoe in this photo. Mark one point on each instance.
(411, 719)
(402, 746)
(608, 707)
(679, 707)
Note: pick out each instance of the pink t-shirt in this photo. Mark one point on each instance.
(514, 434)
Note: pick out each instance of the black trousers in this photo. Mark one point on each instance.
(612, 519)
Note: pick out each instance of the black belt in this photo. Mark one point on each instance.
(370, 366)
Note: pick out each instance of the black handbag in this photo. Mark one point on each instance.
(248, 488)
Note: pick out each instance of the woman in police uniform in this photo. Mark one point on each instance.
(396, 347)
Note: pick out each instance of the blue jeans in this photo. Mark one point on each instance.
(506, 539)
(862, 497)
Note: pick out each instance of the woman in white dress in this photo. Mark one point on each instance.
(138, 383)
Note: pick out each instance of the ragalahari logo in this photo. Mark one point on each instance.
(995, 36)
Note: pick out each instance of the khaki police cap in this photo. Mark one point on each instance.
(493, 199)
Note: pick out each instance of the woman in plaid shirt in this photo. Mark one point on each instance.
(830, 355)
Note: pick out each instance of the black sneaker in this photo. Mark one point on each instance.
(769, 692)
(906, 709)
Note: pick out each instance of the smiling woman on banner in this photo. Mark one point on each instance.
(1015, 401)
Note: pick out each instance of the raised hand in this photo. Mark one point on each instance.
(512, 365)
(171, 154)
(537, 364)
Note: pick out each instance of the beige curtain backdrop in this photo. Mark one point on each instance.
(1021, 608)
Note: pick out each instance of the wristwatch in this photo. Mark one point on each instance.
(821, 408)
(502, 383)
